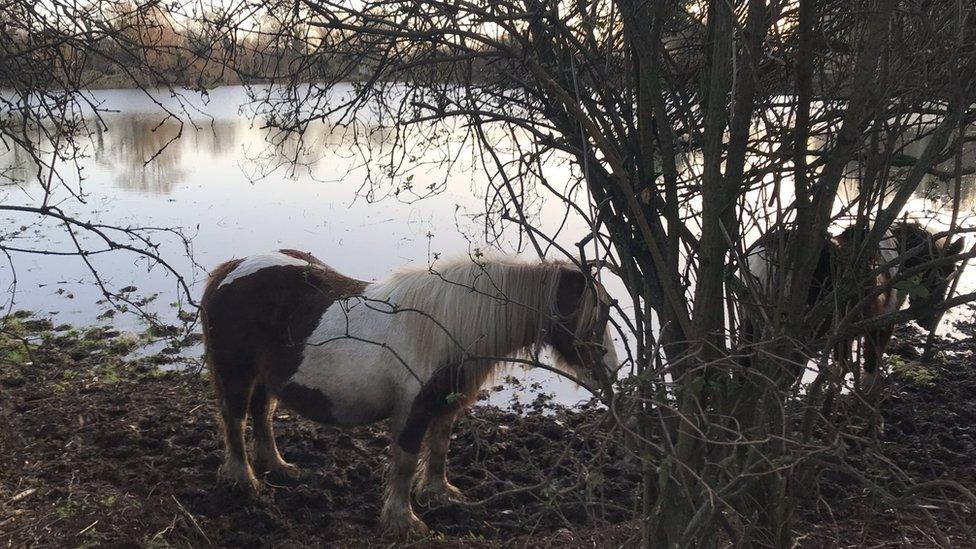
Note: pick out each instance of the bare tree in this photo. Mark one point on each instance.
(690, 129)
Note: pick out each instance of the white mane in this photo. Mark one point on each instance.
(483, 309)
(480, 311)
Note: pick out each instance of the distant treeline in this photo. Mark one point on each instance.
(127, 43)
(121, 43)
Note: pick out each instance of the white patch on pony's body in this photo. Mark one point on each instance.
(357, 377)
(758, 262)
(371, 353)
(254, 263)
(760, 267)
(610, 360)
(889, 250)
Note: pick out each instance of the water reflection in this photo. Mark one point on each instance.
(142, 154)
(149, 152)
(936, 193)
(149, 155)
(235, 166)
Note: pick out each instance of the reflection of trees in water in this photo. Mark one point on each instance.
(138, 151)
(937, 187)
(319, 136)
(16, 166)
(145, 156)
(935, 190)
(141, 153)
(320, 145)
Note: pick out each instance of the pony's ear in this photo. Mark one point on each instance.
(955, 248)
(572, 283)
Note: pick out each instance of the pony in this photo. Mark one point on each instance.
(414, 348)
(907, 247)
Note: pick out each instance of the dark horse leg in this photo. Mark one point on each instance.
(397, 517)
(747, 341)
(266, 456)
(872, 379)
(434, 485)
(234, 385)
(429, 409)
(835, 374)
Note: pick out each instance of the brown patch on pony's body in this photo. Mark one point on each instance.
(875, 341)
(564, 333)
(844, 250)
(307, 401)
(449, 389)
(256, 327)
(216, 277)
(910, 236)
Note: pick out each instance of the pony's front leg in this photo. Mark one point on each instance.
(397, 517)
(434, 486)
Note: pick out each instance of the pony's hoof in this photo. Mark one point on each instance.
(249, 487)
(287, 470)
(243, 481)
(444, 494)
(404, 527)
(283, 471)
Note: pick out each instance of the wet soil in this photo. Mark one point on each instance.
(97, 448)
(924, 460)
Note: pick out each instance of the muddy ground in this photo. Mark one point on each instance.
(100, 448)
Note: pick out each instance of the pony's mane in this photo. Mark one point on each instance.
(494, 306)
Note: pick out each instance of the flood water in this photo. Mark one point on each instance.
(234, 195)
(226, 187)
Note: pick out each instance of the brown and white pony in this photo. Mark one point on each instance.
(906, 247)
(414, 347)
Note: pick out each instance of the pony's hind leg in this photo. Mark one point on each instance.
(234, 386)
(434, 486)
(872, 378)
(266, 456)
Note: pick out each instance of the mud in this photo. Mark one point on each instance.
(101, 448)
